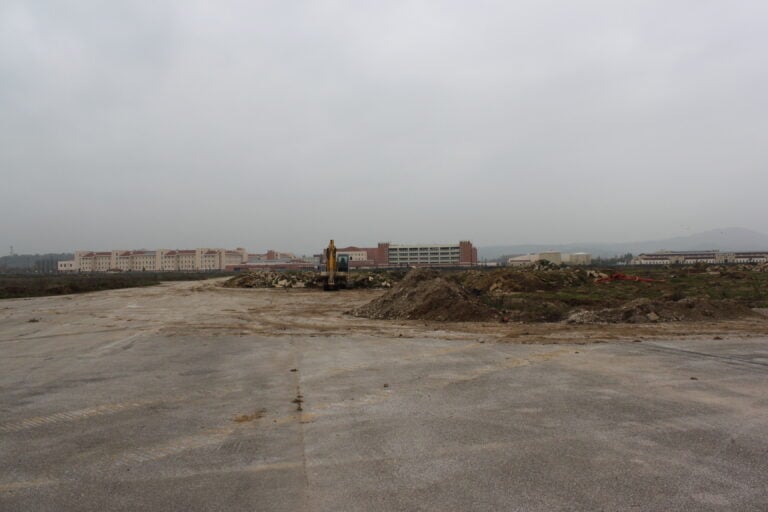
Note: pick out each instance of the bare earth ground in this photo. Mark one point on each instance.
(189, 396)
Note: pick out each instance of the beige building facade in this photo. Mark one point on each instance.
(354, 255)
(159, 260)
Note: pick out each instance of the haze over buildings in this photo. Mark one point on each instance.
(284, 124)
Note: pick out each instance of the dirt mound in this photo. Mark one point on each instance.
(424, 295)
(642, 311)
(523, 280)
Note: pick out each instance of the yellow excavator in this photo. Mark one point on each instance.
(336, 269)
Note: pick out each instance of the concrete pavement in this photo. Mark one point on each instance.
(140, 420)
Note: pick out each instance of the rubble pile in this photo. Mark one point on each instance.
(269, 279)
(306, 279)
(643, 310)
(375, 279)
(425, 295)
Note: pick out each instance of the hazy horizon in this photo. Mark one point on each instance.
(281, 125)
(744, 241)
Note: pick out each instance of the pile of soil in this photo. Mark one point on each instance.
(424, 295)
(524, 280)
(642, 311)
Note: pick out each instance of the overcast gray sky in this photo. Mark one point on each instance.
(283, 124)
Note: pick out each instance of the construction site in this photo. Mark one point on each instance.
(412, 256)
(537, 388)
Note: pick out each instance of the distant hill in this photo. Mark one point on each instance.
(728, 239)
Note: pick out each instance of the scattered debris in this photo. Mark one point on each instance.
(640, 311)
(269, 279)
(381, 279)
(618, 276)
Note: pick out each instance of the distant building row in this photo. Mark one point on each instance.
(160, 260)
(205, 259)
(576, 258)
(692, 257)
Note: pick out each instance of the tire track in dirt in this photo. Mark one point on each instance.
(76, 415)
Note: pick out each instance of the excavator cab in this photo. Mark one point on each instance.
(342, 262)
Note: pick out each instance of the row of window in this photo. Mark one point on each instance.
(426, 249)
(423, 260)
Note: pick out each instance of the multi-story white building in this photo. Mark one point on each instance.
(160, 260)
(462, 253)
(424, 255)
